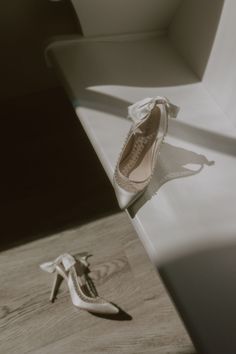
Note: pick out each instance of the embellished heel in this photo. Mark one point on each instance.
(135, 166)
(56, 285)
(74, 272)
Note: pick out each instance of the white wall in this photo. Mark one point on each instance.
(193, 29)
(220, 75)
(203, 32)
(24, 26)
(99, 17)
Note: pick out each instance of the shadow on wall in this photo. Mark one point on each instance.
(50, 176)
(24, 27)
(187, 277)
(176, 162)
(173, 162)
(192, 32)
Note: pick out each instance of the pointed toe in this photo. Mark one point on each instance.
(111, 309)
(103, 308)
(124, 198)
(124, 201)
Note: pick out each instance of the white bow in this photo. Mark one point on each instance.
(66, 259)
(141, 109)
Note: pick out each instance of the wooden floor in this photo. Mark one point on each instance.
(29, 323)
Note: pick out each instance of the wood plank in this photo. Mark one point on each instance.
(122, 273)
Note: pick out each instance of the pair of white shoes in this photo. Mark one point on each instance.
(135, 166)
(73, 271)
(132, 175)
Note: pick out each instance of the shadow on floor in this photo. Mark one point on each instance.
(50, 177)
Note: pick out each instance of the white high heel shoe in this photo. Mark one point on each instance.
(135, 166)
(72, 270)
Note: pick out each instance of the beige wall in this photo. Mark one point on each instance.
(25, 25)
(125, 16)
(193, 31)
(220, 75)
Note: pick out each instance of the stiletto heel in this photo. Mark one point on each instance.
(135, 166)
(55, 287)
(74, 272)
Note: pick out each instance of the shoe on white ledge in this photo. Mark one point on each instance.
(135, 166)
(72, 271)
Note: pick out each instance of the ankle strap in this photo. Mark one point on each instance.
(66, 259)
(172, 109)
(142, 108)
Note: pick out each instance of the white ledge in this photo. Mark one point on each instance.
(190, 203)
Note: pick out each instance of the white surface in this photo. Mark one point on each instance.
(186, 213)
(220, 76)
(103, 17)
(203, 32)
